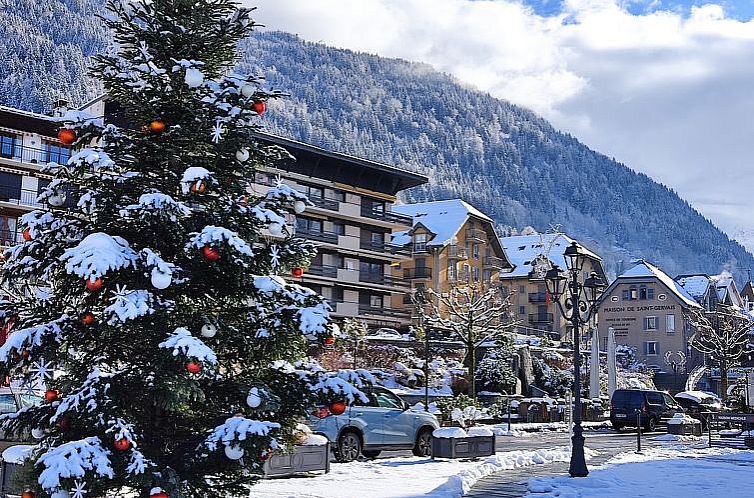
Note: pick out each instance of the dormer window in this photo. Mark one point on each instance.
(420, 242)
(634, 293)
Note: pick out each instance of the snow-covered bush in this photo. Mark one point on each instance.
(495, 371)
(551, 378)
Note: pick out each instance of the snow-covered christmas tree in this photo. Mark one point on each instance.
(149, 296)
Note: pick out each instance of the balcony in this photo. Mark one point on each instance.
(323, 202)
(384, 247)
(456, 252)
(318, 236)
(19, 196)
(537, 318)
(10, 238)
(366, 309)
(537, 297)
(379, 214)
(381, 279)
(476, 235)
(493, 262)
(24, 154)
(323, 271)
(417, 273)
(420, 248)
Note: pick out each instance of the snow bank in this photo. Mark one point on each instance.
(479, 431)
(682, 418)
(314, 440)
(449, 432)
(676, 438)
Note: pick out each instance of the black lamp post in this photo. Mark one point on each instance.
(578, 307)
(420, 300)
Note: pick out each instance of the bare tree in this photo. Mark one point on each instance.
(722, 335)
(473, 316)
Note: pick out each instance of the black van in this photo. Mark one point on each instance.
(652, 407)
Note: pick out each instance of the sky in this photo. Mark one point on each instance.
(663, 86)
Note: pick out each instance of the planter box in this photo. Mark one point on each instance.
(463, 447)
(685, 429)
(301, 459)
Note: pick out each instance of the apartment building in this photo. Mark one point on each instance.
(451, 243)
(531, 256)
(27, 142)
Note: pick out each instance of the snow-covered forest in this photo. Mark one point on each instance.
(503, 159)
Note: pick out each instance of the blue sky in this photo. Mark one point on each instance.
(741, 10)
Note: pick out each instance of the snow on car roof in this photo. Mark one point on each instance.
(697, 396)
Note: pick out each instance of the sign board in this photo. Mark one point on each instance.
(747, 418)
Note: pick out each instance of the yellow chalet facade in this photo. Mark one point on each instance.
(451, 244)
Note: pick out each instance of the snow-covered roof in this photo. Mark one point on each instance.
(442, 218)
(29, 114)
(643, 269)
(695, 285)
(523, 249)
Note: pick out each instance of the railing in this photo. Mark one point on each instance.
(420, 248)
(416, 273)
(456, 252)
(323, 271)
(19, 196)
(537, 297)
(382, 279)
(10, 237)
(23, 154)
(476, 234)
(319, 236)
(379, 214)
(408, 299)
(366, 309)
(493, 262)
(324, 202)
(368, 245)
(541, 318)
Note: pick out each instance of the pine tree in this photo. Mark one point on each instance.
(149, 296)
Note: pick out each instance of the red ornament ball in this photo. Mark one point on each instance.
(338, 407)
(28, 494)
(157, 126)
(93, 285)
(51, 395)
(329, 340)
(159, 494)
(266, 455)
(259, 107)
(88, 319)
(122, 444)
(297, 272)
(26, 234)
(67, 136)
(210, 253)
(198, 187)
(193, 367)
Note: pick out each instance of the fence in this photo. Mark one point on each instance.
(730, 430)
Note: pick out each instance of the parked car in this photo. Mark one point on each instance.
(652, 408)
(385, 422)
(697, 402)
(12, 400)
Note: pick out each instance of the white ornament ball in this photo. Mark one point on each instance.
(60, 494)
(275, 228)
(57, 199)
(161, 280)
(208, 330)
(299, 207)
(242, 155)
(254, 399)
(194, 77)
(37, 433)
(234, 452)
(247, 90)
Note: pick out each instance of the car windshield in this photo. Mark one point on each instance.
(8, 403)
(30, 400)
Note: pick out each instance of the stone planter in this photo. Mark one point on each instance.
(685, 429)
(463, 447)
(302, 459)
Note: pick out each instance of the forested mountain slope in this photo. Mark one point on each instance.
(502, 158)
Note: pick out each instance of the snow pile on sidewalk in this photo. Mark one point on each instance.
(403, 477)
(677, 471)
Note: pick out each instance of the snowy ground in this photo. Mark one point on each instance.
(659, 472)
(404, 477)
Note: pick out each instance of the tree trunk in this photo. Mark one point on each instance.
(723, 380)
(472, 362)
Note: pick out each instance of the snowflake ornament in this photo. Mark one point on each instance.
(217, 131)
(28, 387)
(79, 489)
(43, 370)
(274, 255)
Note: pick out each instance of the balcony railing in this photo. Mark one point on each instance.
(319, 236)
(417, 273)
(10, 237)
(476, 234)
(366, 309)
(537, 297)
(420, 248)
(323, 271)
(325, 203)
(456, 252)
(368, 245)
(535, 318)
(382, 279)
(379, 214)
(22, 197)
(493, 262)
(24, 154)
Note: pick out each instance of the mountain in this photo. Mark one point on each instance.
(502, 158)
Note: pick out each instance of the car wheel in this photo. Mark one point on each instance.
(371, 454)
(349, 447)
(651, 424)
(423, 446)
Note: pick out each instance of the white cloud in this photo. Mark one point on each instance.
(665, 93)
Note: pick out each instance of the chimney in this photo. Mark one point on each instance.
(60, 108)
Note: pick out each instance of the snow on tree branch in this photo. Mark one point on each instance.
(157, 203)
(129, 305)
(238, 429)
(72, 460)
(182, 342)
(97, 254)
(33, 336)
(212, 235)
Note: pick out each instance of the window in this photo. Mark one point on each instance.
(643, 292)
(650, 323)
(375, 269)
(337, 294)
(651, 348)
(654, 398)
(314, 192)
(339, 228)
(56, 153)
(378, 239)
(308, 225)
(634, 293)
(339, 195)
(475, 251)
(375, 301)
(521, 289)
(8, 235)
(522, 310)
(650, 293)
(487, 276)
(8, 144)
(420, 242)
(387, 399)
(8, 403)
(452, 270)
(670, 324)
(626, 294)
(476, 274)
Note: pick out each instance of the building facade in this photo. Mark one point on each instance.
(451, 244)
(531, 256)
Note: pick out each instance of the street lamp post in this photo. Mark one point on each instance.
(578, 306)
(419, 302)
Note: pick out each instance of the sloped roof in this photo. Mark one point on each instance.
(442, 218)
(695, 285)
(643, 269)
(522, 250)
(748, 290)
(726, 288)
